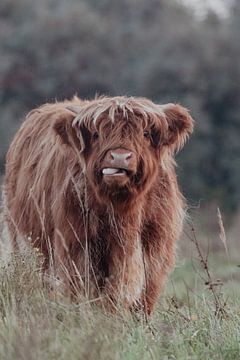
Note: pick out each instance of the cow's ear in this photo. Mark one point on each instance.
(179, 125)
(63, 126)
(72, 133)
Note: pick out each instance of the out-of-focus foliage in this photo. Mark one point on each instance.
(54, 48)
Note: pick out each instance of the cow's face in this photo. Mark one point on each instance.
(122, 141)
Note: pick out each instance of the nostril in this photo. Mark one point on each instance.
(112, 155)
(128, 156)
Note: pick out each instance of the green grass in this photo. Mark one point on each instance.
(184, 325)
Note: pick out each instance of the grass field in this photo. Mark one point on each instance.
(198, 316)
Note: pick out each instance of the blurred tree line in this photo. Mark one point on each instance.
(52, 49)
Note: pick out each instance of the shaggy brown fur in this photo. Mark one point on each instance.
(112, 234)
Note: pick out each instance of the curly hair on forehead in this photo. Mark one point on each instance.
(96, 180)
(91, 112)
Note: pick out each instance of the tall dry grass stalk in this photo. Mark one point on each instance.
(222, 233)
(213, 285)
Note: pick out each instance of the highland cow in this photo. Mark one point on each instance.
(94, 183)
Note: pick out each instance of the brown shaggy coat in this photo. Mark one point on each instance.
(94, 182)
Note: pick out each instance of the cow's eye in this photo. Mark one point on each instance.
(146, 134)
(95, 136)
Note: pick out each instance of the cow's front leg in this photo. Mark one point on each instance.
(125, 280)
(159, 259)
(156, 276)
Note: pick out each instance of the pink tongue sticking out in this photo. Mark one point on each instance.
(109, 171)
(113, 171)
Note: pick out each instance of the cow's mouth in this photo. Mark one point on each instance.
(115, 172)
(115, 183)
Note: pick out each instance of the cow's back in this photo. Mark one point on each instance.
(35, 172)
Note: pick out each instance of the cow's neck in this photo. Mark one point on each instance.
(125, 224)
